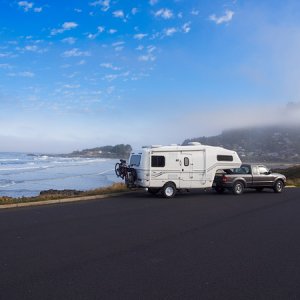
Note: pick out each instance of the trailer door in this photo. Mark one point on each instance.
(186, 171)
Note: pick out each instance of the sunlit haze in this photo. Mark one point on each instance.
(80, 74)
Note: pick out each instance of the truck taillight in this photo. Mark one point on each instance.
(224, 178)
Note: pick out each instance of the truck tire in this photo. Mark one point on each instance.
(278, 186)
(238, 188)
(169, 190)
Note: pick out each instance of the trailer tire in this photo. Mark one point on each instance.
(169, 190)
(238, 188)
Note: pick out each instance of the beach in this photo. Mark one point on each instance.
(26, 175)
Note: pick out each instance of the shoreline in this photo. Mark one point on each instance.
(58, 195)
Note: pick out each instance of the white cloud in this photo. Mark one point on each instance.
(71, 86)
(32, 48)
(69, 40)
(104, 4)
(112, 31)
(195, 12)
(111, 77)
(139, 48)
(170, 31)
(26, 5)
(26, 74)
(7, 54)
(119, 48)
(186, 27)
(100, 29)
(164, 13)
(78, 10)
(223, 19)
(69, 25)
(134, 11)
(153, 2)
(109, 66)
(140, 36)
(75, 52)
(148, 56)
(118, 44)
(38, 9)
(65, 27)
(118, 14)
(5, 66)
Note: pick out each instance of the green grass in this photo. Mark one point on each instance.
(56, 195)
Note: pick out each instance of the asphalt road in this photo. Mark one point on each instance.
(196, 246)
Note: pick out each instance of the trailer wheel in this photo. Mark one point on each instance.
(169, 190)
(278, 187)
(238, 188)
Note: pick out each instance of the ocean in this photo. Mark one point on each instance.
(26, 175)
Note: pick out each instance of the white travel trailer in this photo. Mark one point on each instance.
(171, 168)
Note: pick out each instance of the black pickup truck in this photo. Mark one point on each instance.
(248, 176)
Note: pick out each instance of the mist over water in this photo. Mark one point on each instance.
(27, 175)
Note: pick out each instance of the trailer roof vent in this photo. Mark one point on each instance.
(194, 143)
(156, 146)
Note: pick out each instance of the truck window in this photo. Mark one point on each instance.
(246, 169)
(186, 161)
(135, 160)
(157, 161)
(262, 170)
(224, 158)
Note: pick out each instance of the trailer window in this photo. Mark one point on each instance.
(157, 161)
(135, 160)
(224, 157)
(186, 161)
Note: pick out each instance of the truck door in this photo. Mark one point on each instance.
(266, 179)
(186, 176)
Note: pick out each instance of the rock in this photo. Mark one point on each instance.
(61, 192)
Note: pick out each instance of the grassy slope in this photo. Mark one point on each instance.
(115, 188)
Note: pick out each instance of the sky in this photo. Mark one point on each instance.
(82, 74)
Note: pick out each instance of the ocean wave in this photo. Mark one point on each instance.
(9, 159)
(6, 183)
(33, 168)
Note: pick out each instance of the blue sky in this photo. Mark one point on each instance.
(78, 74)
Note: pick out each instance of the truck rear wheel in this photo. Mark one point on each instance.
(238, 188)
(169, 190)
